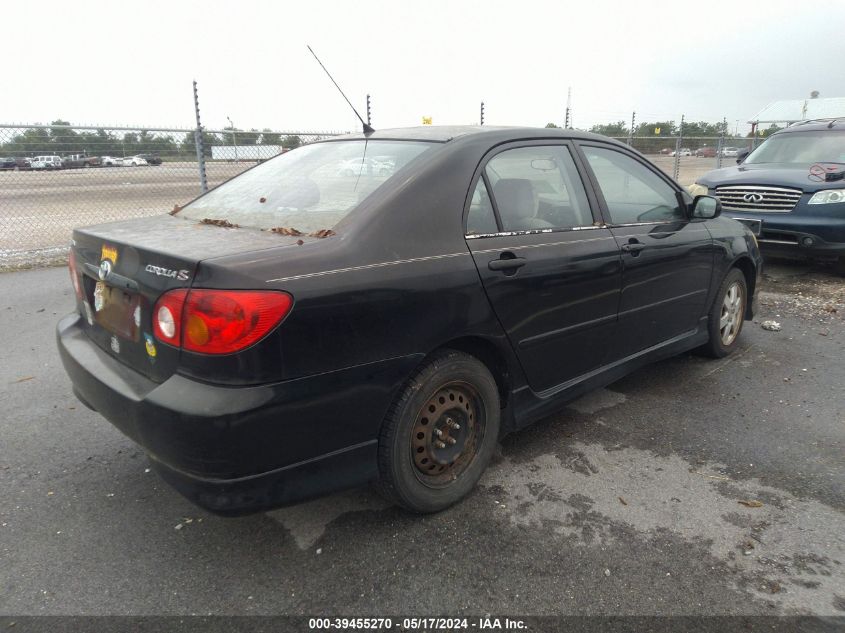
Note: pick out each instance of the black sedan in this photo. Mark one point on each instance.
(300, 329)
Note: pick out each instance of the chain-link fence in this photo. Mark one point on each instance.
(687, 158)
(57, 177)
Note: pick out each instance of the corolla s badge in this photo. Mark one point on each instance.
(105, 269)
(182, 274)
(753, 197)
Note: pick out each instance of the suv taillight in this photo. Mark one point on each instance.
(218, 321)
(74, 274)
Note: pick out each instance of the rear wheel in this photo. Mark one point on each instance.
(727, 315)
(439, 434)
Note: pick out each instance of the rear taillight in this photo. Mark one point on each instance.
(74, 274)
(167, 316)
(218, 321)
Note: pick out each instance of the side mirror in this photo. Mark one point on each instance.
(741, 155)
(706, 207)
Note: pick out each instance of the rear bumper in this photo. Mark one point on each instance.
(234, 450)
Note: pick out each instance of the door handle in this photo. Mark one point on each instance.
(507, 263)
(633, 246)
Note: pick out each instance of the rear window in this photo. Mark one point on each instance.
(308, 189)
(801, 148)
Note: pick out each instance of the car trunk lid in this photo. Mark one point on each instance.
(124, 267)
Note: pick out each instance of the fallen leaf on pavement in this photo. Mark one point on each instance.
(751, 503)
(25, 378)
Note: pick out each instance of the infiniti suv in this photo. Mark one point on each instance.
(790, 191)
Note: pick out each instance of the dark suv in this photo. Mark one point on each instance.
(790, 191)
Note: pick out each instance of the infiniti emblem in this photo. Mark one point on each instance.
(749, 197)
(105, 269)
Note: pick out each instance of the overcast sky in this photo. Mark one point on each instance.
(121, 63)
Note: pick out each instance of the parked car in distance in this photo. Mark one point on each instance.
(684, 152)
(730, 152)
(15, 164)
(44, 163)
(77, 161)
(134, 161)
(790, 190)
(152, 159)
(363, 166)
(706, 152)
(292, 332)
(111, 161)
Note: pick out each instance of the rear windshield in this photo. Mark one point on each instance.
(308, 189)
(801, 148)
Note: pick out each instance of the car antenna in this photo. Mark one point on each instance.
(367, 128)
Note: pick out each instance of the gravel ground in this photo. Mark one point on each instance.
(690, 487)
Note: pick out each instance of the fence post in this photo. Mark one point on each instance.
(631, 132)
(198, 140)
(676, 169)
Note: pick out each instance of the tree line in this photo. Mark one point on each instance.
(57, 139)
(658, 129)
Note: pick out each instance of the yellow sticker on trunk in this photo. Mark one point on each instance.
(109, 252)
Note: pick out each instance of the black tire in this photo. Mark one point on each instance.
(839, 267)
(413, 471)
(717, 346)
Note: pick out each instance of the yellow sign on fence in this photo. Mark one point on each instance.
(426, 120)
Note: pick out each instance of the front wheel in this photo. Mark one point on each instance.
(727, 315)
(439, 434)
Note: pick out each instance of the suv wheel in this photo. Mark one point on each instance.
(439, 434)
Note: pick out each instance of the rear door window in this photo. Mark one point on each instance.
(481, 218)
(538, 187)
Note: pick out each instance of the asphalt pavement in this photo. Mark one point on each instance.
(693, 486)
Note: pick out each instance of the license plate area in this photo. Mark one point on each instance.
(756, 226)
(117, 310)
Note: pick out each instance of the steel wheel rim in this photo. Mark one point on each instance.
(733, 308)
(446, 434)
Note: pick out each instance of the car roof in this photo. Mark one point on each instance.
(446, 133)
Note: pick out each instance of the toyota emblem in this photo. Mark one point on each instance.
(753, 197)
(105, 269)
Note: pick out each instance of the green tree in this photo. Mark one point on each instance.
(270, 138)
(188, 145)
(657, 129)
(611, 129)
(291, 142)
(765, 133)
(551, 125)
(63, 140)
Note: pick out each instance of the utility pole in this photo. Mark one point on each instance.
(198, 141)
(568, 119)
(369, 121)
(482, 113)
(234, 141)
